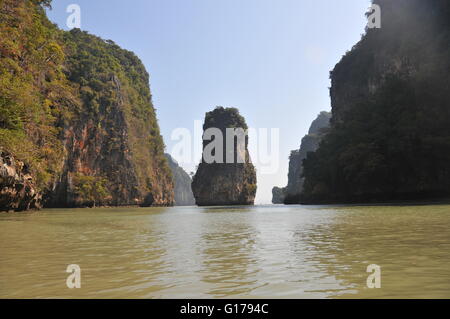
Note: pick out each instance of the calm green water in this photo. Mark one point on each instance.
(262, 251)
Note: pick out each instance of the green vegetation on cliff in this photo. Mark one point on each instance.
(116, 128)
(75, 107)
(390, 135)
(91, 189)
(34, 93)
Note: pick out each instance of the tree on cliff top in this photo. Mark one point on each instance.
(223, 118)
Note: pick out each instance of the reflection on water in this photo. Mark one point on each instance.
(255, 252)
(228, 257)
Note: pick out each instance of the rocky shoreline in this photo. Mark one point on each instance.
(17, 188)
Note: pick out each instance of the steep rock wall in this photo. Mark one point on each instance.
(217, 184)
(390, 126)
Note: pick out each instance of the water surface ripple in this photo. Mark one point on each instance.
(227, 252)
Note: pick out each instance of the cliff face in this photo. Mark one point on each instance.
(391, 122)
(114, 136)
(310, 143)
(17, 189)
(182, 182)
(225, 183)
(82, 111)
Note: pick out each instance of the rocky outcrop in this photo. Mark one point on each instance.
(222, 182)
(182, 182)
(310, 143)
(17, 189)
(278, 195)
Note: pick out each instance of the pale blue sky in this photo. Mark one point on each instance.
(269, 58)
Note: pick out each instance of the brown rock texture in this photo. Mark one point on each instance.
(17, 189)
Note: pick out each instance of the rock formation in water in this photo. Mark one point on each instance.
(310, 142)
(77, 110)
(222, 182)
(389, 138)
(182, 182)
(278, 195)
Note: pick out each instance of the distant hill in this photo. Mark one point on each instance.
(182, 182)
(310, 142)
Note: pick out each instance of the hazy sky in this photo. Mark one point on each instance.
(269, 58)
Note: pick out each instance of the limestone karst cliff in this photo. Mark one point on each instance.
(223, 182)
(77, 110)
(389, 138)
(114, 136)
(182, 182)
(310, 142)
